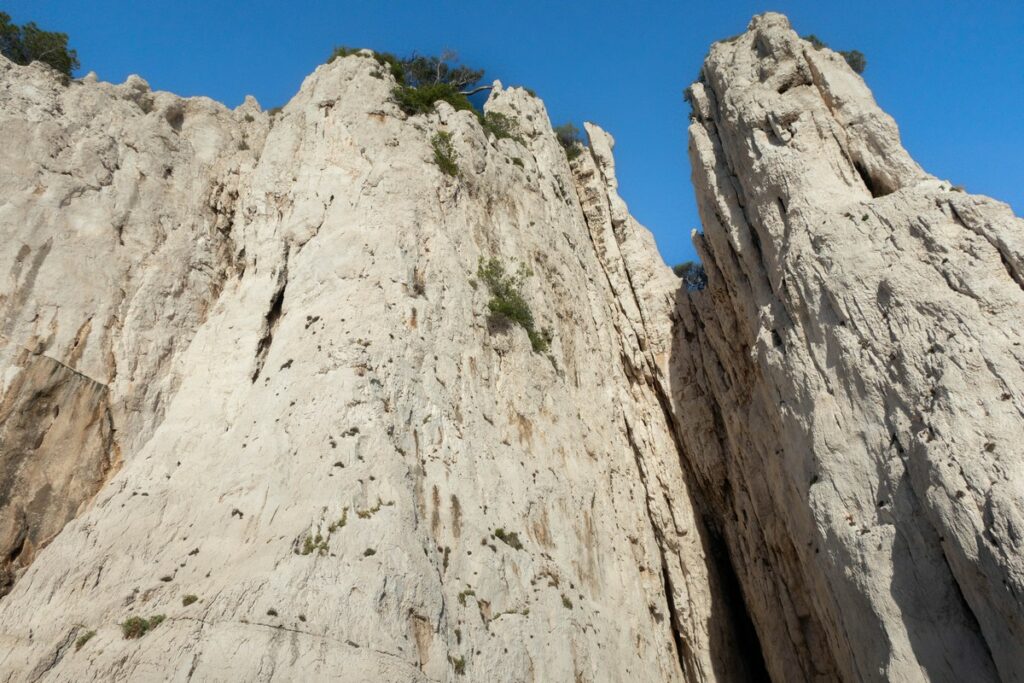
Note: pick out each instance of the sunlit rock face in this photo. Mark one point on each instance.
(850, 384)
(251, 385)
(257, 421)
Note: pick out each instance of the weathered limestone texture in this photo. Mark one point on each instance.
(271, 328)
(850, 385)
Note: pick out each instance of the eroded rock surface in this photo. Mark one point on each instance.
(321, 438)
(850, 385)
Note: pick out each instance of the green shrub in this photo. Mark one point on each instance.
(445, 155)
(507, 305)
(855, 58)
(421, 100)
(569, 137)
(189, 599)
(566, 602)
(509, 538)
(459, 665)
(500, 125)
(815, 41)
(29, 43)
(136, 627)
(428, 80)
(369, 552)
(83, 639)
(385, 59)
(692, 274)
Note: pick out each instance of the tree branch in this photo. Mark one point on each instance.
(475, 90)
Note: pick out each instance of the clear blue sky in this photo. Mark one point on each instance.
(952, 73)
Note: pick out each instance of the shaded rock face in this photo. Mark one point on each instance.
(850, 385)
(276, 327)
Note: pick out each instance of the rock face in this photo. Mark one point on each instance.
(252, 394)
(251, 358)
(850, 385)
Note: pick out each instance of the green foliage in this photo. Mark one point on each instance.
(428, 80)
(500, 125)
(422, 81)
(855, 58)
(421, 100)
(465, 594)
(459, 664)
(369, 552)
(445, 155)
(569, 137)
(83, 639)
(385, 59)
(692, 274)
(509, 538)
(423, 71)
(315, 543)
(29, 43)
(136, 627)
(507, 305)
(189, 599)
(815, 41)
(340, 524)
(566, 602)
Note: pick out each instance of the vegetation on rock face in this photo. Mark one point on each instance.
(855, 58)
(83, 639)
(424, 80)
(692, 274)
(445, 155)
(136, 627)
(500, 125)
(507, 305)
(29, 43)
(569, 137)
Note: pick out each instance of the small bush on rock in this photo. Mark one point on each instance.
(692, 274)
(855, 58)
(445, 155)
(500, 125)
(136, 627)
(507, 305)
(569, 137)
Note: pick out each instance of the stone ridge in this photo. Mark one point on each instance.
(301, 440)
(850, 384)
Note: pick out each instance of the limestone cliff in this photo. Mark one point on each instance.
(850, 385)
(252, 395)
(250, 356)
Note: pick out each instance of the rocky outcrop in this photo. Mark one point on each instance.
(330, 463)
(850, 385)
(115, 243)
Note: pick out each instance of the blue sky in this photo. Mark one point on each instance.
(951, 73)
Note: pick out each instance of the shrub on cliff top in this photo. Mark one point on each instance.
(29, 43)
(692, 274)
(425, 80)
(569, 137)
(855, 58)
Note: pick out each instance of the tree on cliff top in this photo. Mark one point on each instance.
(29, 43)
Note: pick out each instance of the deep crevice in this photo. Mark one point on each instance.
(747, 640)
(876, 188)
(270, 323)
